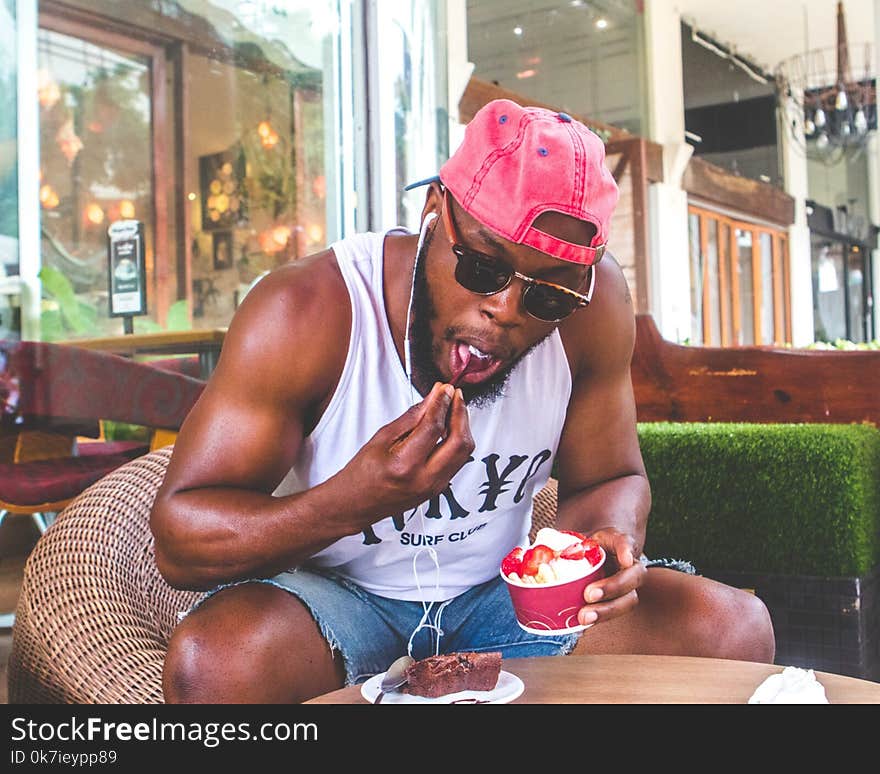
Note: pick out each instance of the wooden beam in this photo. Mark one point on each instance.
(640, 226)
(653, 155)
(786, 270)
(778, 280)
(139, 21)
(162, 187)
(750, 197)
(479, 93)
(182, 173)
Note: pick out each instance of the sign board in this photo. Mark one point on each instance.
(127, 268)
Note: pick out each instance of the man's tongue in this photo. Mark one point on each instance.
(470, 361)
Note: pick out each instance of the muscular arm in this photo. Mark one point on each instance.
(214, 518)
(602, 482)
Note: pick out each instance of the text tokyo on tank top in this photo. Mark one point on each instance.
(486, 509)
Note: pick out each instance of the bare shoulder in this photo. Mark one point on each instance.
(599, 340)
(281, 357)
(291, 331)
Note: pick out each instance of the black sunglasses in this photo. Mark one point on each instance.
(486, 275)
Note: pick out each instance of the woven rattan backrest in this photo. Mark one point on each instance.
(94, 616)
(544, 508)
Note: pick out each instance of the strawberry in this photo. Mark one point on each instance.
(534, 557)
(574, 551)
(512, 562)
(592, 552)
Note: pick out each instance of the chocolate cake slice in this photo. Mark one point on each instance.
(440, 675)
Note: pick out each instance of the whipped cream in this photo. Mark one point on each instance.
(790, 686)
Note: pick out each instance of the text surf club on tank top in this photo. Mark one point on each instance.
(486, 509)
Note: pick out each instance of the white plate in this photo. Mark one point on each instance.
(506, 689)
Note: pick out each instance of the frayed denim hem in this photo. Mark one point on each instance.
(682, 565)
(326, 631)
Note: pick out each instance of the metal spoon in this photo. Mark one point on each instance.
(395, 677)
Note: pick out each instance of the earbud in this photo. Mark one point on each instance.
(427, 221)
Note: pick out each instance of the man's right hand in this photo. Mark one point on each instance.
(411, 459)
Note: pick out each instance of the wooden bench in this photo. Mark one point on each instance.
(765, 472)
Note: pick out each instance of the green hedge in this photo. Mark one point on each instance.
(800, 499)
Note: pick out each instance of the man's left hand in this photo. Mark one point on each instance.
(615, 594)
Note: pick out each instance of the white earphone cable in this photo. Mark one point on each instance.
(426, 607)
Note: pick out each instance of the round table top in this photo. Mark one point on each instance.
(646, 680)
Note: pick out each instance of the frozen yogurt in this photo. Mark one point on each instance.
(555, 556)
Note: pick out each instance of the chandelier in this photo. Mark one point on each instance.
(830, 111)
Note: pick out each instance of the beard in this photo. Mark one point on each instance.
(425, 352)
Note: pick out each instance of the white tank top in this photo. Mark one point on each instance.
(486, 509)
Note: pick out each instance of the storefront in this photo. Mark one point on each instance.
(843, 272)
(240, 135)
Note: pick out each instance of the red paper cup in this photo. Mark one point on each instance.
(552, 608)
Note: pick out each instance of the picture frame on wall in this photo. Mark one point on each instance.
(221, 180)
(222, 249)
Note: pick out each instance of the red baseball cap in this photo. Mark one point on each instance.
(516, 163)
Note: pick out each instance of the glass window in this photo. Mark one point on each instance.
(829, 293)
(765, 241)
(728, 290)
(224, 127)
(696, 264)
(855, 278)
(10, 323)
(727, 258)
(413, 120)
(714, 281)
(8, 154)
(584, 57)
(96, 165)
(746, 286)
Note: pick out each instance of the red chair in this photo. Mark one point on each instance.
(51, 395)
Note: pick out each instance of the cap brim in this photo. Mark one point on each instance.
(426, 181)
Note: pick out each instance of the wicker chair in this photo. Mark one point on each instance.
(94, 615)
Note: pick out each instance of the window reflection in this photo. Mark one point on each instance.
(96, 167)
(767, 301)
(696, 267)
(746, 286)
(10, 315)
(217, 124)
(829, 292)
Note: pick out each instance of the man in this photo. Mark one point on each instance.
(347, 504)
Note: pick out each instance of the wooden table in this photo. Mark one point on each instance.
(646, 680)
(206, 343)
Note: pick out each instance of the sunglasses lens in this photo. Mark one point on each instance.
(479, 275)
(548, 304)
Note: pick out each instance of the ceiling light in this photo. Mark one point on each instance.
(601, 23)
(517, 30)
(525, 74)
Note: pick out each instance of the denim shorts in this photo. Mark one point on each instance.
(372, 631)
